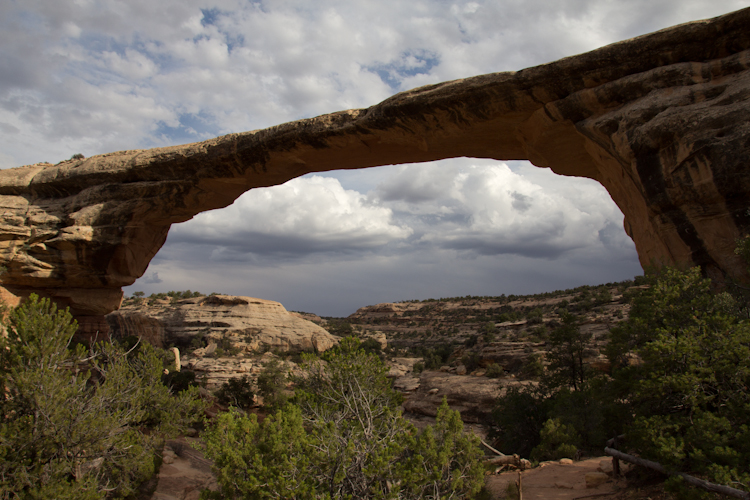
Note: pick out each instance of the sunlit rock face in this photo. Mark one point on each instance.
(247, 324)
(661, 121)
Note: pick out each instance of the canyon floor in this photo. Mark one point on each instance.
(467, 349)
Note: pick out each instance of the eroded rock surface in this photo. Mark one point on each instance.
(662, 121)
(242, 323)
(473, 397)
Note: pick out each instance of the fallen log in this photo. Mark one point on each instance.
(700, 483)
(504, 460)
(513, 460)
(496, 452)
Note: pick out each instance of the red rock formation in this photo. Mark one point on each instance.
(662, 121)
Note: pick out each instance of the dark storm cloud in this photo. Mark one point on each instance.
(521, 202)
(238, 247)
(539, 247)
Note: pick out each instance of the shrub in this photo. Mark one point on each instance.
(199, 340)
(179, 381)
(535, 317)
(437, 357)
(517, 418)
(344, 438)
(689, 395)
(371, 345)
(557, 441)
(78, 423)
(532, 367)
(471, 361)
(603, 296)
(568, 345)
(237, 391)
(272, 384)
(340, 328)
(494, 371)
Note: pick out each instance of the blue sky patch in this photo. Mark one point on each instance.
(193, 127)
(409, 64)
(210, 16)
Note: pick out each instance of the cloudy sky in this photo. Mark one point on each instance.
(94, 76)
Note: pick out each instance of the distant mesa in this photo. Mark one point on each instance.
(246, 324)
(662, 121)
(219, 337)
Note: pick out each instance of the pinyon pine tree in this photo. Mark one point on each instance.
(78, 423)
(343, 438)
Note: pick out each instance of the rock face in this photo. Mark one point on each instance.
(473, 397)
(212, 372)
(661, 121)
(245, 323)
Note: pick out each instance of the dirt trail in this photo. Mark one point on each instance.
(555, 481)
(185, 472)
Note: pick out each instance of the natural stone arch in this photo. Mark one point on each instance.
(661, 121)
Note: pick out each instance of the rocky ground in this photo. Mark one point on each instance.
(185, 473)
(220, 336)
(466, 349)
(477, 347)
(563, 480)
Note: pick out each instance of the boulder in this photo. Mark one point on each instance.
(399, 367)
(594, 479)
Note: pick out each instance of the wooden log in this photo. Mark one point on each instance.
(493, 450)
(504, 460)
(700, 483)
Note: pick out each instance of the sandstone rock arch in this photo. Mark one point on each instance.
(662, 121)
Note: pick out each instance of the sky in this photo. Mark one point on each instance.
(95, 76)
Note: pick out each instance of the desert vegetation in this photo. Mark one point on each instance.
(677, 390)
(672, 377)
(661, 362)
(343, 436)
(78, 421)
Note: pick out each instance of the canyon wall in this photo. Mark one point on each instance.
(662, 121)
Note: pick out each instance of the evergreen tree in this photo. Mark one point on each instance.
(566, 355)
(344, 438)
(688, 388)
(72, 419)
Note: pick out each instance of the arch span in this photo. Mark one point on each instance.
(662, 121)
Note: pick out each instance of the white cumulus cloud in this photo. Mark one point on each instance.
(489, 209)
(301, 217)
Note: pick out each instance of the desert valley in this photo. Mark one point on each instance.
(624, 390)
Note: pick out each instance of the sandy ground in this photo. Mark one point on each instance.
(185, 473)
(553, 481)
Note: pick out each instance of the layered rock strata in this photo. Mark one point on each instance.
(244, 324)
(473, 397)
(662, 121)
